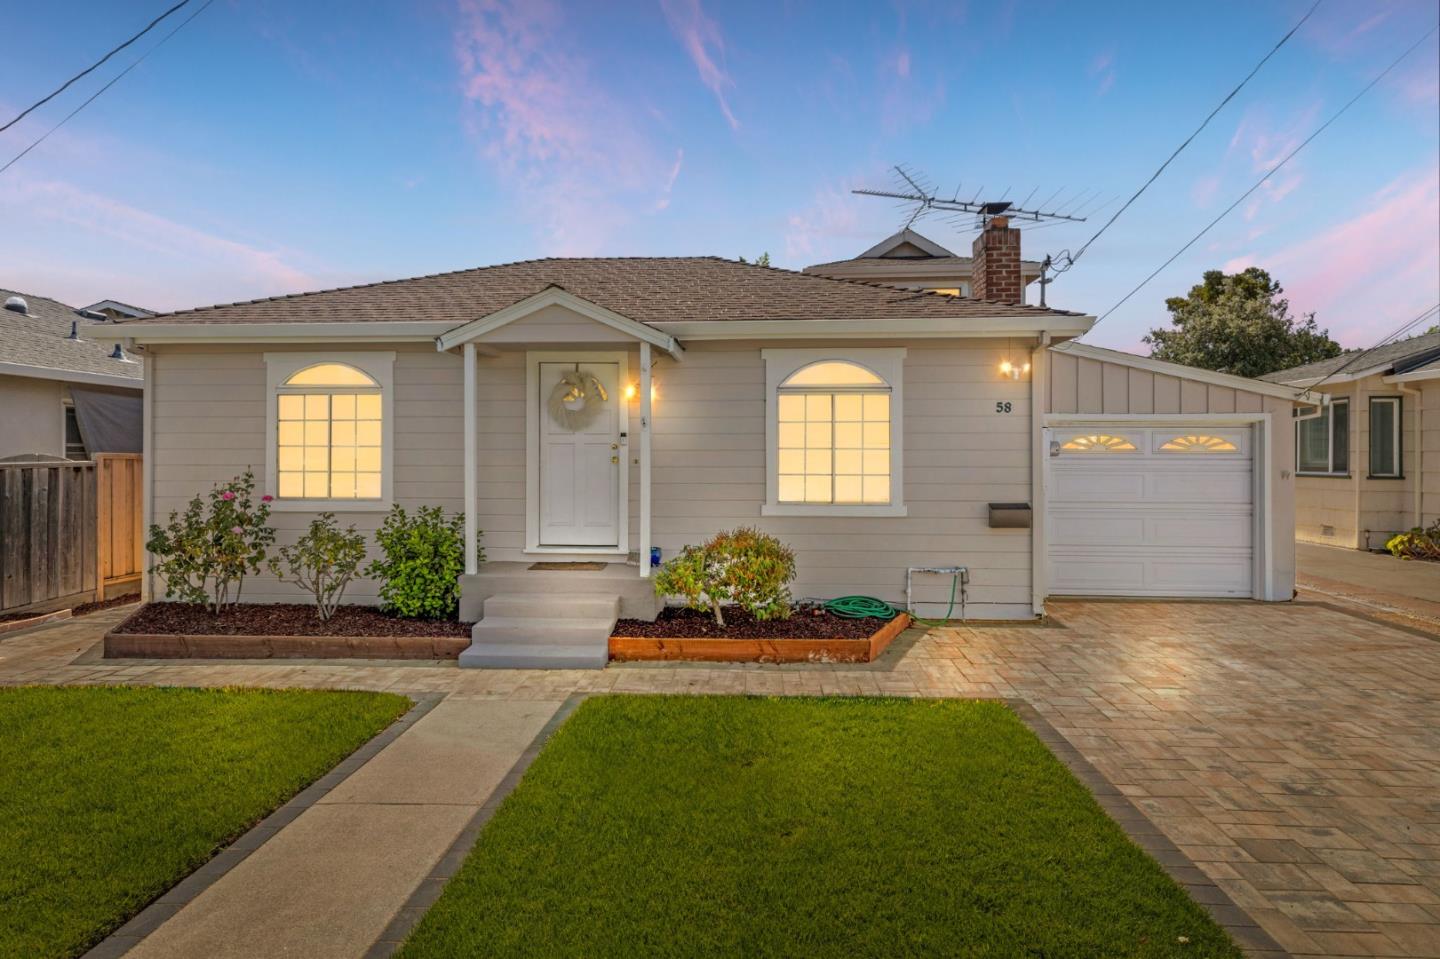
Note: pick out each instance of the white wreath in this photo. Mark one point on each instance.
(577, 400)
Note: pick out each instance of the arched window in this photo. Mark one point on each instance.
(833, 436)
(329, 434)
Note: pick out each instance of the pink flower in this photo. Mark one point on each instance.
(227, 496)
(236, 530)
(266, 498)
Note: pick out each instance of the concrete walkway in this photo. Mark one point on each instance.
(1378, 580)
(329, 883)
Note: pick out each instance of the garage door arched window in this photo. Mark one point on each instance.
(1198, 443)
(834, 432)
(1098, 442)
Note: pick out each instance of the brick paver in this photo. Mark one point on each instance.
(1292, 751)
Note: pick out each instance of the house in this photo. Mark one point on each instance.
(1367, 462)
(914, 262)
(591, 410)
(64, 394)
(116, 310)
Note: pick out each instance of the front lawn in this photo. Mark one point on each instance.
(109, 796)
(700, 826)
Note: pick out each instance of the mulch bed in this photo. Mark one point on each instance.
(281, 619)
(812, 622)
(87, 608)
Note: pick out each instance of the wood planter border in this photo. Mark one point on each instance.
(190, 646)
(636, 648)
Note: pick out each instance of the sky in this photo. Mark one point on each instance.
(273, 147)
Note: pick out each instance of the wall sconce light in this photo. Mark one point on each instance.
(631, 390)
(1011, 370)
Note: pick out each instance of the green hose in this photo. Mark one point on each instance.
(861, 607)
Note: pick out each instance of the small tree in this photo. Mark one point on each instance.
(206, 552)
(746, 567)
(1240, 324)
(322, 562)
(424, 557)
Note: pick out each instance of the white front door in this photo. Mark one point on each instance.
(1161, 511)
(580, 464)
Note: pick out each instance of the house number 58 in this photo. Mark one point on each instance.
(1002, 406)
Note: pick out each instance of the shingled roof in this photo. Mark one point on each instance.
(645, 289)
(40, 338)
(1399, 356)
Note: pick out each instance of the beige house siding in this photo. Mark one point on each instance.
(1084, 385)
(209, 408)
(1360, 511)
(32, 421)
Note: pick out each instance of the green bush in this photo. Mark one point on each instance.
(207, 551)
(322, 562)
(746, 567)
(1418, 543)
(424, 557)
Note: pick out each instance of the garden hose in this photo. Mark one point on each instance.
(860, 607)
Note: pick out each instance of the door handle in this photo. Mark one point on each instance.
(614, 446)
(615, 459)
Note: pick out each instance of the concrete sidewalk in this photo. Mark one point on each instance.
(329, 883)
(1378, 580)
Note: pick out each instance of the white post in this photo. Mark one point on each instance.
(645, 460)
(472, 535)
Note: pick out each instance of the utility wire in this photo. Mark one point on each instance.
(113, 80)
(1363, 353)
(1069, 259)
(62, 88)
(1273, 170)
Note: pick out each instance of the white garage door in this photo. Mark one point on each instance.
(1150, 511)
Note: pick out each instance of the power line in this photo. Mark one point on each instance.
(1273, 170)
(1069, 259)
(113, 80)
(62, 88)
(1363, 353)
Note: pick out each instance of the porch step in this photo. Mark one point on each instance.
(505, 579)
(530, 631)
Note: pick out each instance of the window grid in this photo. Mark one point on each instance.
(834, 448)
(329, 445)
(1385, 437)
(1322, 443)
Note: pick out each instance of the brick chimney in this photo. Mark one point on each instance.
(995, 264)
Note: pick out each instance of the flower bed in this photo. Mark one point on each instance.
(810, 634)
(282, 630)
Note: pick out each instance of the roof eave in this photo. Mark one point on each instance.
(71, 376)
(359, 331)
(966, 327)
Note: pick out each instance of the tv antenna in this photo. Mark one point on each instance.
(920, 200)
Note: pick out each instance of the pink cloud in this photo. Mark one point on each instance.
(902, 64)
(1103, 68)
(702, 40)
(664, 201)
(1366, 275)
(568, 150)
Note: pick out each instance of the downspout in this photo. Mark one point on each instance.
(1419, 477)
(1353, 454)
(1039, 407)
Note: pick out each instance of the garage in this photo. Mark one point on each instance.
(1152, 510)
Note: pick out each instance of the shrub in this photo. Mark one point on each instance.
(746, 567)
(1418, 543)
(207, 551)
(322, 562)
(424, 557)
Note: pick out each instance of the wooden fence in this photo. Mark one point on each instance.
(70, 532)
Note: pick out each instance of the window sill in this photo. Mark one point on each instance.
(1385, 476)
(1298, 473)
(806, 509)
(329, 506)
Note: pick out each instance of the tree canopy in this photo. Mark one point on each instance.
(1239, 323)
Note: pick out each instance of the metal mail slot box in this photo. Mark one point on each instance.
(1009, 515)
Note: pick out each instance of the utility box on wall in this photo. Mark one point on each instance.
(1009, 515)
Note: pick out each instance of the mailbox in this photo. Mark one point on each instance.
(1009, 515)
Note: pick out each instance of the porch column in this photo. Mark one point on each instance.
(472, 535)
(644, 460)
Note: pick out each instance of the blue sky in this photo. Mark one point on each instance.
(273, 147)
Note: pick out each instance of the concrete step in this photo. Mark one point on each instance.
(526, 605)
(506, 656)
(540, 631)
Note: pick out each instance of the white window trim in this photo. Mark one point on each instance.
(379, 365)
(889, 364)
(1398, 468)
(1328, 414)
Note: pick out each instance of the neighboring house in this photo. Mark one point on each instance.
(67, 386)
(587, 410)
(1368, 462)
(914, 262)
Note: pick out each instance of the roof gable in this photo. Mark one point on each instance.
(905, 244)
(555, 296)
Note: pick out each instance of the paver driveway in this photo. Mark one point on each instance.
(1293, 751)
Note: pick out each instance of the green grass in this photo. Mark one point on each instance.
(707, 826)
(109, 796)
